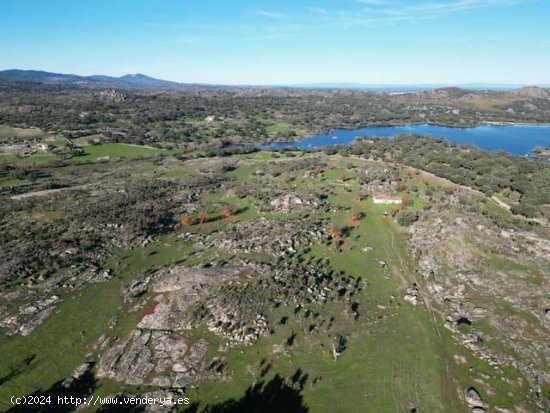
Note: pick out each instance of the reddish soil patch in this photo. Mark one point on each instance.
(245, 275)
(148, 309)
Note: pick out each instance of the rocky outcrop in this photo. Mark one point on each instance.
(473, 399)
(292, 202)
(470, 264)
(154, 353)
(237, 310)
(178, 288)
(77, 375)
(160, 358)
(412, 294)
(30, 317)
(268, 236)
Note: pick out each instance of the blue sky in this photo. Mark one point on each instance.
(283, 41)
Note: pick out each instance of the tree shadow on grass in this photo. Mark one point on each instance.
(18, 370)
(81, 388)
(275, 396)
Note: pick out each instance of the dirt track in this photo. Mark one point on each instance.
(46, 192)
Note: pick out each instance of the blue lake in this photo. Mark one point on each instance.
(515, 139)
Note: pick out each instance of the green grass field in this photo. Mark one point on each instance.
(279, 127)
(118, 150)
(92, 153)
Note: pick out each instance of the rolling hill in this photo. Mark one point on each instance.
(137, 80)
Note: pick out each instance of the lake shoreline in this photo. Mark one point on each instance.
(514, 138)
(406, 124)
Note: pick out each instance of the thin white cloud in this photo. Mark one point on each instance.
(318, 10)
(367, 13)
(271, 14)
(379, 2)
(380, 12)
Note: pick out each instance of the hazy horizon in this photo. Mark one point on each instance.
(322, 85)
(372, 42)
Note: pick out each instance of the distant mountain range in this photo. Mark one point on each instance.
(138, 80)
(141, 81)
(405, 87)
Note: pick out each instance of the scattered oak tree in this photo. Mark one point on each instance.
(336, 234)
(185, 221)
(203, 217)
(356, 216)
(228, 211)
(406, 218)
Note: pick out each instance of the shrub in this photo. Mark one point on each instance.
(406, 218)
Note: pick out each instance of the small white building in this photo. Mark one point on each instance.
(387, 199)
